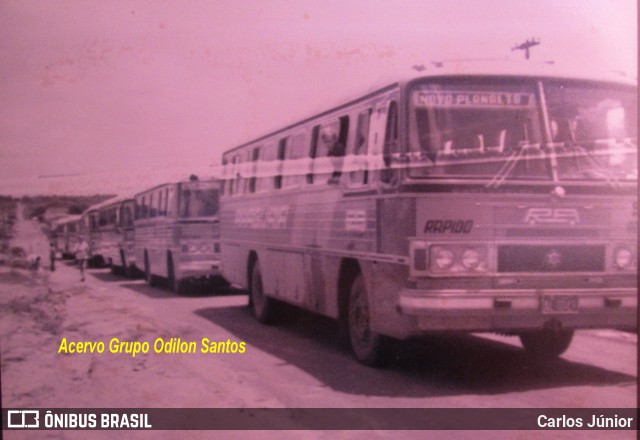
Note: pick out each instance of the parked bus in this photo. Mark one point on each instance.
(66, 235)
(449, 202)
(110, 233)
(177, 232)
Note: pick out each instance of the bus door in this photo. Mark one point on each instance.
(383, 142)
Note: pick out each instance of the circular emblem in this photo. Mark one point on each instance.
(553, 259)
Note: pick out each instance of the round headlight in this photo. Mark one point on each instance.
(623, 258)
(444, 259)
(470, 259)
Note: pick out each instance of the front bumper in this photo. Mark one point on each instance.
(517, 310)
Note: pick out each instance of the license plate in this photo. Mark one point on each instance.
(560, 304)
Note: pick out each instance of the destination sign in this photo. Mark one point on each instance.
(472, 99)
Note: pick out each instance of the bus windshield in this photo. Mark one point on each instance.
(496, 130)
(593, 131)
(198, 200)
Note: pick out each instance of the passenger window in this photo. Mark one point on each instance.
(328, 150)
(160, 202)
(358, 166)
(296, 163)
(241, 174)
(233, 175)
(267, 168)
(255, 154)
(282, 148)
(152, 210)
(143, 208)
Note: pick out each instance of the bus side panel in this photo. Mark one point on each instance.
(235, 263)
(328, 304)
(283, 275)
(397, 221)
(315, 298)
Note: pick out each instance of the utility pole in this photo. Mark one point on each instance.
(526, 46)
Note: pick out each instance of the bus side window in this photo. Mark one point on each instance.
(172, 201)
(159, 204)
(255, 154)
(390, 143)
(296, 161)
(152, 210)
(231, 177)
(125, 216)
(358, 166)
(282, 148)
(241, 174)
(314, 149)
(267, 167)
(339, 149)
(328, 150)
(165, 209)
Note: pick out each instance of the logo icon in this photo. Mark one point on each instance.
(553, 259)
(28, 418)
(552, 216)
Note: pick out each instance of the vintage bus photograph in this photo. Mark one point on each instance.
(319, 219)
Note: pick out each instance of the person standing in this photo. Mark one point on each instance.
(52, 257)
(82, 254)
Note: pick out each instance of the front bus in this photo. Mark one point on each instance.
(524, 196)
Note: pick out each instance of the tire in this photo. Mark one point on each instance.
(174, 285)
(116, 270)
(148, 276)
(367, 346)
(546, 344)
(264, 308)
(123, 262)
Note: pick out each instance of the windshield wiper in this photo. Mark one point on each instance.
(506, 170)
(588, 164)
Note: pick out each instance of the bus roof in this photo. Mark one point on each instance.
(153, 188)
(108, 203)
(68, 219)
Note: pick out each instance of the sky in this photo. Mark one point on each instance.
(116, 96)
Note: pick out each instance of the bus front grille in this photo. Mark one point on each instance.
(562, 258)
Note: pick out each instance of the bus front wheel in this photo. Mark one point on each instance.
(546, 344)
(263, 306)
(367, 345)
(175, 285)
(148, 276)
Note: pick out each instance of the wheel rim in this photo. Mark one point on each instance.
(359, 316)
(147, 268)
(365, 343)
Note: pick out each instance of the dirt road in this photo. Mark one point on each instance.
(297, 364)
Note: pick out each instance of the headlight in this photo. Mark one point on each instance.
(623, 258)
(457, 259)
(444, 259)
(470, 259)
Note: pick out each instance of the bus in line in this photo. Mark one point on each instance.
(110, 235)
(503, 199)
(66, 235)
(177, 232)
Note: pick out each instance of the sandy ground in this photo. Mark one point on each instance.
(39, 308)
